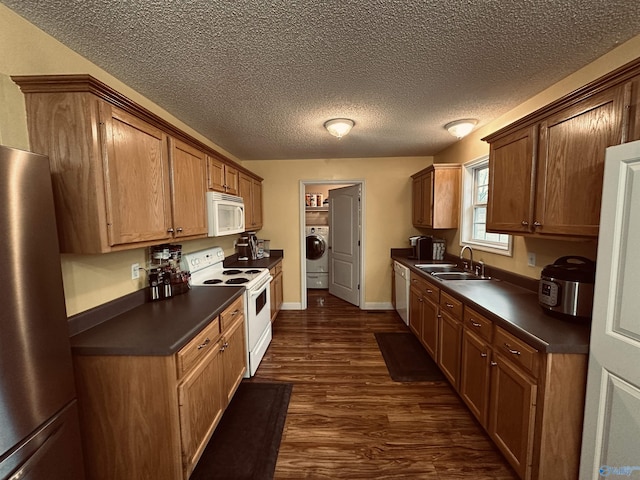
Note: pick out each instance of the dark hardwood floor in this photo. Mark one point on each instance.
(348, 420)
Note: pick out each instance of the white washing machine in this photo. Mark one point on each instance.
(317, 252)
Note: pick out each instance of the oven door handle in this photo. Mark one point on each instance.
(253, 293)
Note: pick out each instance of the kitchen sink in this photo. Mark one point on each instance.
(457, 275)
(438, 267)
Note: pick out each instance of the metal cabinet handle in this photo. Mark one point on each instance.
(204, 344)
(494, 364)
(475, 324)
(483, 355)
(235, 312)
(511, 351)
(429, 290)
(450, 305)
(179, 229)
(170, 230)
(524, 223)
(537, 224)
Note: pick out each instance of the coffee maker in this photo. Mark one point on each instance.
(422, 247)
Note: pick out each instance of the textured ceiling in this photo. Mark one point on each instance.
(259, 78)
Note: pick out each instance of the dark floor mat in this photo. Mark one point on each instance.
(245, 444)
(406, 358)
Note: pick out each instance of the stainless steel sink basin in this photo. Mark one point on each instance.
(458, 275)
(435, 267)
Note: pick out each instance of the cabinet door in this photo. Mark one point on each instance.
(430, 320)
(215, 174)
(512, 182)
(449, 342)
(231, 180)
(512, 415)
(256, 204)
(188, 174)
(571, 163)
(201, 405)
(136, 170)
(234, 358)
(276, 295)
(416, 202)
(475, 374)
(244, 188)
(415, 312)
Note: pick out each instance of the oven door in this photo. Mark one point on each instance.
(258, 323)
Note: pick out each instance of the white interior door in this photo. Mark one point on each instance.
(612, 410)
(344, 243)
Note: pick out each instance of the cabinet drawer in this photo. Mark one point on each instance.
(231, 313)
(450, 305)
(516, 350)
(276, 269)
(427, 289)
(480, 325)
(198, 347)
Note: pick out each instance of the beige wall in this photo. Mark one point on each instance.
(387, 199)
(471, 147)
(91, 280)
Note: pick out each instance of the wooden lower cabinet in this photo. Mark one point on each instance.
(277, 292)
(151, 417)
(450, 338)
(423, 314)
(475, 374)
(512, 413)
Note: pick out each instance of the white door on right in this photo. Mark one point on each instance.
(611, 435)
(344, 243)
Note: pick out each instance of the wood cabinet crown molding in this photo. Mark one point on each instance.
(84, 83)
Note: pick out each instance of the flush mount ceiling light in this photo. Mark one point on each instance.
(461, 128)
(339, 127)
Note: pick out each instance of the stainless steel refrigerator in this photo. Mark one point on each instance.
(39, 432)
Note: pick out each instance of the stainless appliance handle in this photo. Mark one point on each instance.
(24, 468)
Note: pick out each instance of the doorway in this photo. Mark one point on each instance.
(314, 218)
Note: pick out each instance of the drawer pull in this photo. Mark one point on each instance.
(450, 305)
(511, 351)
(494, 364)
(429, 290)
(235, 312)
(204, 344)
(483, 355)
(475, 324)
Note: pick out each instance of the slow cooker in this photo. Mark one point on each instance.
(566, 288)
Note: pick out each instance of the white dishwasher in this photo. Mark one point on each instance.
(401, 275)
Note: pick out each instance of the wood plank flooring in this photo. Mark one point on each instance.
(348, 420)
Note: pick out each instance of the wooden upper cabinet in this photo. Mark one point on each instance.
(545, 178)
(188, 187)
(221, 177)
(571, 162)
(251, 192)
(511, 182)
(136, 178)
(436, 196)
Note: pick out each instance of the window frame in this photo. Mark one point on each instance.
(466, 212)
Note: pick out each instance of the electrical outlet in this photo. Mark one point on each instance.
(531, 259)
(135, 271)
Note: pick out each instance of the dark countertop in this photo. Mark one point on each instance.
(515, 309)
(156, 328)
(269, 262)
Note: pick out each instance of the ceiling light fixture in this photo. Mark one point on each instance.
(339, 127)
(461, 128)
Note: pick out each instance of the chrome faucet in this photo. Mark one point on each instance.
(470, 267)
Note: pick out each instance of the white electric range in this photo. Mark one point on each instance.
(205, 268)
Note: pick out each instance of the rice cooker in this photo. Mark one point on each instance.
(566, 288)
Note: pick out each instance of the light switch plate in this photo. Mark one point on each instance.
(135, 271)
(531, 259)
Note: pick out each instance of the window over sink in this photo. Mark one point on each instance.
(475, 194)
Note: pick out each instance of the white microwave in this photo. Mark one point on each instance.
(225, 214)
